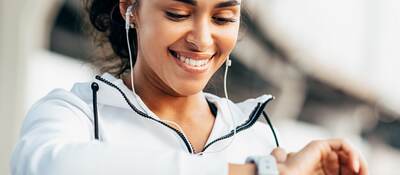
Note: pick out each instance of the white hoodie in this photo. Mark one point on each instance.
(57, 136)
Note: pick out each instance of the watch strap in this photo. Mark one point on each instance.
(266, 165)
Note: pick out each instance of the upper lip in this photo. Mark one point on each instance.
(194, 55)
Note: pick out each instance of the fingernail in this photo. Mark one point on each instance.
(356, 166)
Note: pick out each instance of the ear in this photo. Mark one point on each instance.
(123, 6)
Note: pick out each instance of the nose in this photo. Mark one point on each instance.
(200, 38)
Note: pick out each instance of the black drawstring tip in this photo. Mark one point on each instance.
(95, 86)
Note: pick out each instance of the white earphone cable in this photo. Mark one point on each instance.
(228, 63)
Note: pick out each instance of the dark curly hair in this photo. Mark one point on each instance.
(109, 32)
(109, 25)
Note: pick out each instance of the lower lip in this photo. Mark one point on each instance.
(191, 69)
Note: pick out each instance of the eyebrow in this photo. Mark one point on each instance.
(227, 4)
(219, 5)
(190, 2)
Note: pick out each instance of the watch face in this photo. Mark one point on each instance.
(266, 165)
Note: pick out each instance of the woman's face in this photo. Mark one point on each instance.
(182, 43)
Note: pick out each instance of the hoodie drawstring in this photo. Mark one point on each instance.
(272, 128)
(95, 88)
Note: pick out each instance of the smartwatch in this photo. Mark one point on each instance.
(266, 165)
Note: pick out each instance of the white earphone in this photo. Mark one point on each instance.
(128, 16)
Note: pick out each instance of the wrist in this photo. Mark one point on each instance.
(266, 165)
(242, 169)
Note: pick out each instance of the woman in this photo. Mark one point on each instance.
(155, 119)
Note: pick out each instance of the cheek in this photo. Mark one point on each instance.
(156, 35)
(152, 37)
(226, 41)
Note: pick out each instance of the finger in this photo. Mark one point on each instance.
(346, 164)
(353, 156)
(331, 164)
(344, 159)
(346, 171)
(279, 154)
(353, 164)
(346, 167)
(363, 167)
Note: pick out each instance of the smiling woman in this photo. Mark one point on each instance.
(151, 116)
(166, 25)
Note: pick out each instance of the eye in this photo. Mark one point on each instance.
(175, 16)
(223, 21)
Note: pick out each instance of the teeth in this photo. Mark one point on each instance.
(192, 62)
(187, 61)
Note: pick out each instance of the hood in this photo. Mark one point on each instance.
(113, 92)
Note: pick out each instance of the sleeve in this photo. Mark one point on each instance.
(56, 139)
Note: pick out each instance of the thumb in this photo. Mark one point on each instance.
(279, 154)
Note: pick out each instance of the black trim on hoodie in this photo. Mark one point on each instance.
(255, 114)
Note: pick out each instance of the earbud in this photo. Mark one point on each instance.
(228, 62)
(128, 16)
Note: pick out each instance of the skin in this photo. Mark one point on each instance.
(168, 90)
(175, 94)
(322, 157)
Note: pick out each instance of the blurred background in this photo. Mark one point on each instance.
(331, 64)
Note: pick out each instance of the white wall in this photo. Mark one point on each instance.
(10, 82)
(350, 44)
(27, 70)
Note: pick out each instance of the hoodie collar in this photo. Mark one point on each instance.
(109, 95)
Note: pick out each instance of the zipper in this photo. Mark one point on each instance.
(255, 114)
(180, 134)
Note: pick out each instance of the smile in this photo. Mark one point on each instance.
(190, 62)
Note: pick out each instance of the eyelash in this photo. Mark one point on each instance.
(218, 20)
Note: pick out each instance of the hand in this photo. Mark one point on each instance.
(325, 157)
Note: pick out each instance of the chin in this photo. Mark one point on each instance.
(189, 89)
